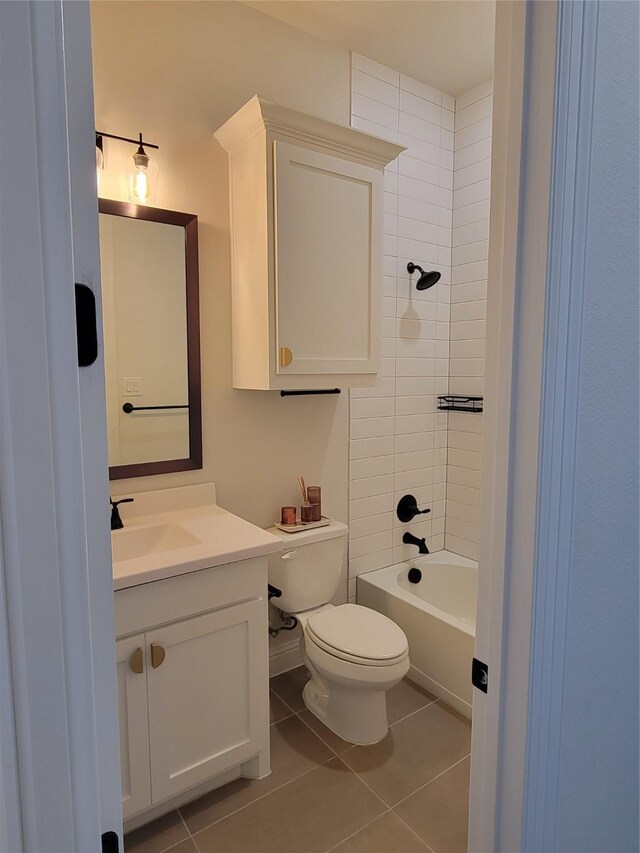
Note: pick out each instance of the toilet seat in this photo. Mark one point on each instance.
(357, 634)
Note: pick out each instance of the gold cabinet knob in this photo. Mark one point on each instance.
(286, 356)
(136, 662)
(158, 654)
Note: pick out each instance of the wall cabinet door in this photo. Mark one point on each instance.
(328, 262)
(134, 729)
(208, 687)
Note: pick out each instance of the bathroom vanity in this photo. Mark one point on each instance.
(190, 584)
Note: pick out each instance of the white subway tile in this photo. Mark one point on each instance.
(371, 524)
(375, 129)
(461, 546)
(463, 495)
(469, 310)
(371, 427)
(421, 150)
(474, 348)
(362, 448)
(447, 120)
(363, 63)
(463, 476)
(415, 87)
(475, 112)
(416, 309)
(475, 153)
(370, 506)
(374, 111)
(420, 107)
(390, 203)
(373, 87)
(415, 386)
(419, 170)
(472, 134)
(369, 563)
(413, 423)
(389, 283)
(374, 466)
(415, 230)
(390, 181)
(467, 367)
(424, 405)
(470, 213)
(411, 208)
(471, 292)
(464, 422)
(470, 253)
(414, 459)
(422, 494)
(388, 306)
(391, 223)
(471, 385)
(390, 243)
(475, 94)
(472, 174)
(382, 388)
(462, 529)
(415, 366)
(448, 102)
(472, 233)
(419, 129)
(409, 187)
(412, 348)
(372, 408)
(372, 544)
(464, 273)
(465, 440)
(413, 479)
(369, 486)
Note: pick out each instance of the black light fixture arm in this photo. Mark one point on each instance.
(140, 142)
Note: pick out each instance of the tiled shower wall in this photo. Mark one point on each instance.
(398, 437)
(471, 182)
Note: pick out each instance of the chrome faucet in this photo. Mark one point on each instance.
(410, 539)
(116, 521)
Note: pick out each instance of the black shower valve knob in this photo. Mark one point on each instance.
(407, 509)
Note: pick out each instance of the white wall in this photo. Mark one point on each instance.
(471, 182)
(177, 71)
(398, 437)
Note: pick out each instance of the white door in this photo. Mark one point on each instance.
(135, 769)
(56, 567)
(208, 683)
(328, 265)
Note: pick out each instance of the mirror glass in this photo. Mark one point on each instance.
(149, 270)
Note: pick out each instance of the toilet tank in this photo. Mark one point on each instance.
(309, 567)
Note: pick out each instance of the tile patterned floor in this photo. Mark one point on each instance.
(407, 794)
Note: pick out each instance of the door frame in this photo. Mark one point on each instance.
(59, 785)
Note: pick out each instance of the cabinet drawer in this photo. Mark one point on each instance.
(142, 607)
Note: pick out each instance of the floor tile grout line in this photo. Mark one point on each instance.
(319, 736)
(421, 787)
(373, 820)
(412, 830)
(266, 794)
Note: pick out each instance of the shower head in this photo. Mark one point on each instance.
(427, 279)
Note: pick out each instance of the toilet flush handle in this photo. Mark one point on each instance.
(290, 555)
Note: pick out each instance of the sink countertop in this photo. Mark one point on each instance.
(216, 536)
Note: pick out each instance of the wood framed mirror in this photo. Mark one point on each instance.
(151, 319)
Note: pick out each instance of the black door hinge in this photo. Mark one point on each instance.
(110, 843)
(86, 325)
(480, 675)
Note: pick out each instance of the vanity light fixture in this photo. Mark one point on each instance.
(140, 181)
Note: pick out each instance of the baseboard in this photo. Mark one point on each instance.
(438, 690)
(285, 658)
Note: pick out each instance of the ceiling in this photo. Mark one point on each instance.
(447, 44)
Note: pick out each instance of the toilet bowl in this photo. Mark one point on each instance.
(353, 654)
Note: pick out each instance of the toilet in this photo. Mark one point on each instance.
(354, 654)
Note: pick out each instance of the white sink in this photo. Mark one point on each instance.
(133, 542)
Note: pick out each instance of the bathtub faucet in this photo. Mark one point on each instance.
(410, 539)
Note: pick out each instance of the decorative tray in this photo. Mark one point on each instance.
(299, 526)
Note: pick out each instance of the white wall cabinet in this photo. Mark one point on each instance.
(307, 200)
(193, 692)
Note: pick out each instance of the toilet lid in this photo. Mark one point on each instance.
(357, 632)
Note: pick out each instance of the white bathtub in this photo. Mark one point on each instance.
(438, 615)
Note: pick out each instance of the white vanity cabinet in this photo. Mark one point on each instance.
(306, 199)
(192, 659)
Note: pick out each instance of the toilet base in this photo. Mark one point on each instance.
(357, 716)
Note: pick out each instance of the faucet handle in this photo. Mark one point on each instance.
(116, 521)
(121, 501)
(407, 509)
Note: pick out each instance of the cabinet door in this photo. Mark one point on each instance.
(208, 695)
(135, 770)
(328, 262)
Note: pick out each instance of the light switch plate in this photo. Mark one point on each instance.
(132, 386)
